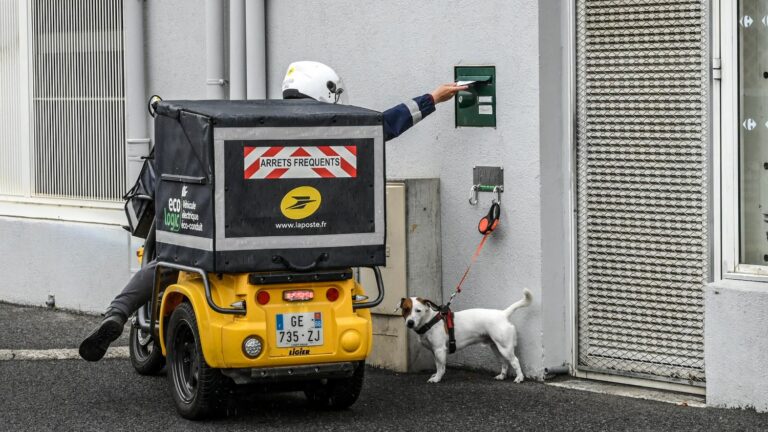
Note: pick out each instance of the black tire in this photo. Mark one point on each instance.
(199, 390)
(146, 356)
(337, 394)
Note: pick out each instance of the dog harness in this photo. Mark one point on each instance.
(444, 312)
(486, 226)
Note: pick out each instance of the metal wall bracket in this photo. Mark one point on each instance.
(487, 179)
(216, 81)
(717, 70)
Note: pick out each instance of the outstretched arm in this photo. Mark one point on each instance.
(401, 117)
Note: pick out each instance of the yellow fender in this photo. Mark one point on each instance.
(215, 329)
(191, 290)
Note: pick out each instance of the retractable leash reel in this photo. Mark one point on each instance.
(490, 221)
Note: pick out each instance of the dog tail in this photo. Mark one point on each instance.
(525, 301)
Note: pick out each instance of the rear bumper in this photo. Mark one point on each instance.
(347, 333)
(290, 373)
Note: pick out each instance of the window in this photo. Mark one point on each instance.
(753, 133)
(63, 62)
(740, 149)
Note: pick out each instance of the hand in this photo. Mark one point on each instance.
(446, 92)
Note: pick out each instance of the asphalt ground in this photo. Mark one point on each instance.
(69, 395)
(39, 328)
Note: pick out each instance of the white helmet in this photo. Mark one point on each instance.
(314, 80)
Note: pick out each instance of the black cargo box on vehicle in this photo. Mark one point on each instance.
(269, 185)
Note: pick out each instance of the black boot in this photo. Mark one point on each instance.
(95, 345)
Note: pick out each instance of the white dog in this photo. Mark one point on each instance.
(471, 326)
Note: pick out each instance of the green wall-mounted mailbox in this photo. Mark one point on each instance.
(476, 106)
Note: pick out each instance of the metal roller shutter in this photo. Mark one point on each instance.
(642, 154)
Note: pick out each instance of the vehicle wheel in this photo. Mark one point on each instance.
(337, 394)
(146, 356)
(198, 389)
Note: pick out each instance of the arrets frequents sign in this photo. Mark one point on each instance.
(264, 163)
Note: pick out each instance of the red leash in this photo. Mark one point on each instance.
(472, 261)
(486, 226)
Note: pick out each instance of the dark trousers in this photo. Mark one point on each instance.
(137, 292)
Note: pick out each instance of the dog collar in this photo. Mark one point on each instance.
(446, 314)
(425, 328)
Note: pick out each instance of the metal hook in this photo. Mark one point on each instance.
(497, 190)
(473, 195)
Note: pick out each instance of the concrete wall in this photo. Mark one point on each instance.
(83, 265)
(735, 344)
(175, 48)
(390, 51)
(555, 25)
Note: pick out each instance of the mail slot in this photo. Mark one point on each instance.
(476, 106)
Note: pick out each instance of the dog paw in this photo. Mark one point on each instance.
(500, 377)
(519, 379)
(434, 379)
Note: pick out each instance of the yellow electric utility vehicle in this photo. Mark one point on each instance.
(254, 247)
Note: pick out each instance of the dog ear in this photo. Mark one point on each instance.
(431, 304)
(405, 306)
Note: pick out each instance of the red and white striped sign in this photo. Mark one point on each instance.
(299, 162)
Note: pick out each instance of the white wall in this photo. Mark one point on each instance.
(83, 265)
(389, 51)
(735, 344)
(175, 48)
(386, 52)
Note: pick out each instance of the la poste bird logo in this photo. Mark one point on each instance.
(301, 202)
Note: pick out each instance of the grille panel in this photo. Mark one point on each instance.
(11, 138)
(642, 179)
(78, 100)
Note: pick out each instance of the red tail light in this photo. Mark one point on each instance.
(332, 294)
(262, 297)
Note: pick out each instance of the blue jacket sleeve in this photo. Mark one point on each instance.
(401, 117)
